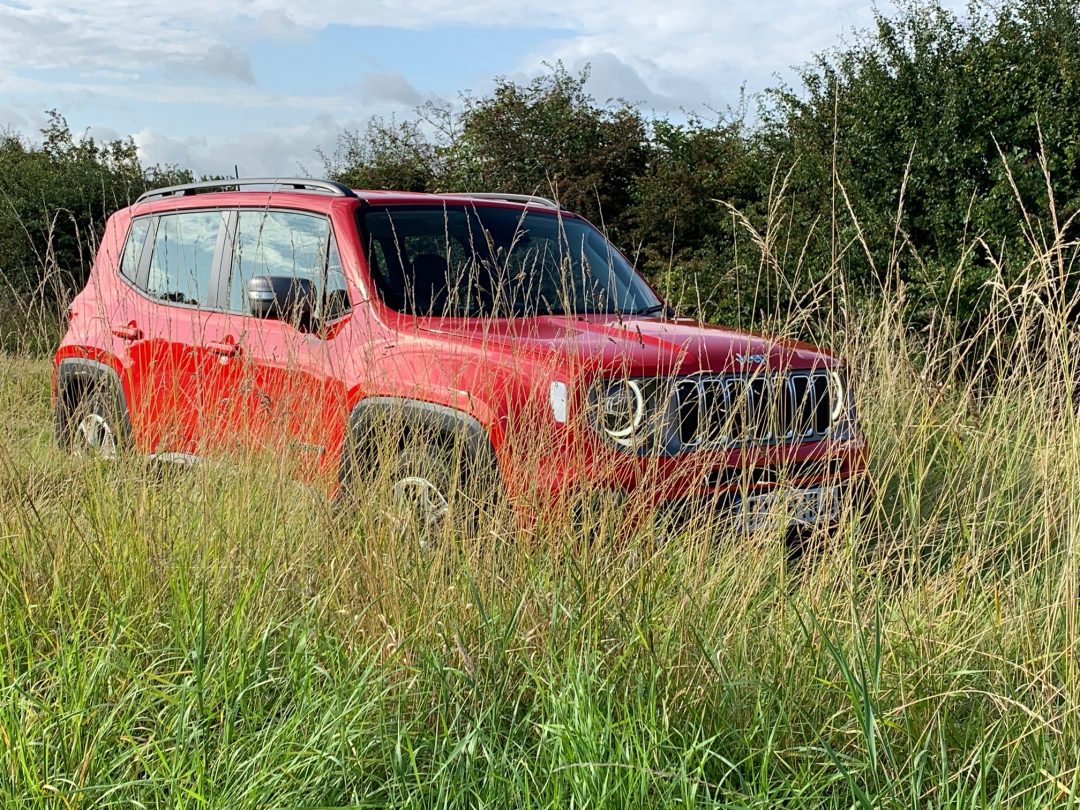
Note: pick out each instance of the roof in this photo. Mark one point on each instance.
(455, 198)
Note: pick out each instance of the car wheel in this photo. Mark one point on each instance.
(423, 494)
(430, 494)
(94, 429)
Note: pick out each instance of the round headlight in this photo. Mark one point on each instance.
(622, 410)
(837, 385)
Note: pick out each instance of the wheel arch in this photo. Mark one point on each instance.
(361, 445)
(75, 376)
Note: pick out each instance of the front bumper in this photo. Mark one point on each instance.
(719, 476)
(821, 506)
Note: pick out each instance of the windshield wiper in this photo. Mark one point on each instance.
(535, 311)
(650, 310)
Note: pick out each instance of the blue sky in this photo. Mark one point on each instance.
(264, 83)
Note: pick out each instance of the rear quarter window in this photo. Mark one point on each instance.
(133, 248)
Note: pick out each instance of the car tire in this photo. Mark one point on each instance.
(430, 491)
(94, 427)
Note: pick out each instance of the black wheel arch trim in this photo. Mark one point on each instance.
(80, 371)
(441, 419)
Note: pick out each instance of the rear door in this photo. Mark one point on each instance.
(126, 318)
(180, 349)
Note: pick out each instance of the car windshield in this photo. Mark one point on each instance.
(477, 261)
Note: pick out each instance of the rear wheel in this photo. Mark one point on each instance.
(94, 429)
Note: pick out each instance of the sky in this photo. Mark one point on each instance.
(263, 84)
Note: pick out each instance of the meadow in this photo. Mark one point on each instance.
(222, 637)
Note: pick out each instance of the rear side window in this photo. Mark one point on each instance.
(182, 264)
(129, 263)
(288, 243)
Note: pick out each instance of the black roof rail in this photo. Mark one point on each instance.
(286, 184)
(495, 195)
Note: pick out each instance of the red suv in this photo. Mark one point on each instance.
(302, 316)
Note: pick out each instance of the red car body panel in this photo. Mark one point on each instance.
(198, 381)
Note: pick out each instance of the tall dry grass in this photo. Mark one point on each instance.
(225, 637)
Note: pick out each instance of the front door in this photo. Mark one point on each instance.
(292, 373)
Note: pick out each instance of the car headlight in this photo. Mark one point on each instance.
(842, 417)
(622, 411)
(838, 396)
(630, 413)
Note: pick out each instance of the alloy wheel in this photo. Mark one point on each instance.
(95, 437)
(420, 507)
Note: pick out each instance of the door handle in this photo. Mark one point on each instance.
(224, 348)
(129, 332)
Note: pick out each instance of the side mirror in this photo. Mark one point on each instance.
(283, 298)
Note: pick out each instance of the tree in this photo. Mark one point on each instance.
(680, 222)
(956, 106)
(547, 137)
(387, 155)
(551, 137)
(55, 199)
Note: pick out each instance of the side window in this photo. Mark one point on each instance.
(285, 243)
(183, 260)
(133, 248)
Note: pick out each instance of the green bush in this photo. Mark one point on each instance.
(968, 120)
(54, 200)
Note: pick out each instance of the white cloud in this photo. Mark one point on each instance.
(218, 61)
(276, 24)
(102, 134)
(274, 152)
(665, 43)
(11, 120)
(234, 98)
(392, 87)
(117, 35)
(612, 77)
(694, 53)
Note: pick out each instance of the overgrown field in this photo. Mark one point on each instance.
(222, 638)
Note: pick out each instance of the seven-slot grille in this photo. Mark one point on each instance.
(755, 408)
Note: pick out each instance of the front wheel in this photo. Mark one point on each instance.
(421, 492)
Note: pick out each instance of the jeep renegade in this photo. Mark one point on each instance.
(299, 315)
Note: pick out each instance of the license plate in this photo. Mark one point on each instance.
(791, 508)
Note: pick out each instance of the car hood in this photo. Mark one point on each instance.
(642, 345)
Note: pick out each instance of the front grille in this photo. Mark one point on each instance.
(739, 410)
